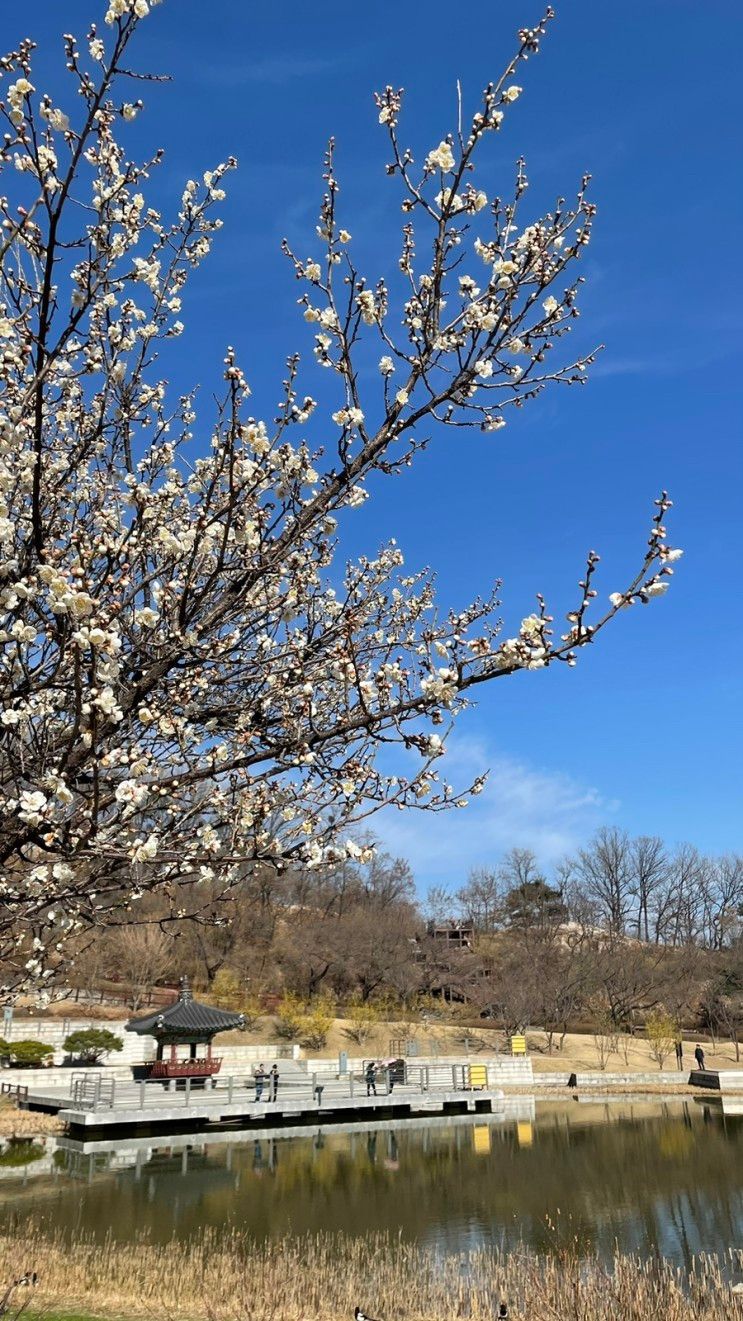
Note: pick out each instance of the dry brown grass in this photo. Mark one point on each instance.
(322, 1278)
(632, 1055)
(83, 1011)
(16, 1123)
(579, 1053)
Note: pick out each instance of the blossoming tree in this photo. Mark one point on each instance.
(191, 683)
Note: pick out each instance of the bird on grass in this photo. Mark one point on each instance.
(361, 1316)
(30, 1278)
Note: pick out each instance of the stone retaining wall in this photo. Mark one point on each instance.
(136, 1050)
(608, 1079)
(237, 1060)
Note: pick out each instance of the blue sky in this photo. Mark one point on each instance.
(646, 731)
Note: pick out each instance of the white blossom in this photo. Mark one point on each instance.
(441, 158)
(196, 680)
(147, 617)
(31, 806)
(131, 792)
(145, 850)
(657, 588)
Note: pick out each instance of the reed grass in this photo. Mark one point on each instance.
(230, 1277)
(15, 1123)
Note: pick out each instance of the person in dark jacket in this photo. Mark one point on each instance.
(699, 1057)
(273, 1080)
(259, 1077)
(370, 1077)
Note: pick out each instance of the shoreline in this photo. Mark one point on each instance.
(542, 1091)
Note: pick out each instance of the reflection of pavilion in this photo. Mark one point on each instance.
(184, 1023)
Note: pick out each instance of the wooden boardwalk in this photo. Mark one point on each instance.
(100, 1106)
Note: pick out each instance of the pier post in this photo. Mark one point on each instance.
(230, 1088)
(187, 1100)
(142, 1086)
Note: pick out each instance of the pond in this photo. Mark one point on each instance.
(648, 1176)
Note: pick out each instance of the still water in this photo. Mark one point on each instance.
(646, 1177)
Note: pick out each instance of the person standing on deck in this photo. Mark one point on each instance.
(259, 1077)
(699, 1057)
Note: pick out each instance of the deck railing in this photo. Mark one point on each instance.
(16, 1089)
(94, 1091)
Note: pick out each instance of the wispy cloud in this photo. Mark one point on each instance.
(651, 364)
(522, 806)
(273, 70)
(606, 367)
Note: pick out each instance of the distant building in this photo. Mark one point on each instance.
(453, 935)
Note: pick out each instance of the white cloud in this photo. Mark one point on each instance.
(522, 806)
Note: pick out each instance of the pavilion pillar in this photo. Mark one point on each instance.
(192, 1053)
(208, 1050)
(173, 1056)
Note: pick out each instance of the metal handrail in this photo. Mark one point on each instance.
(98, 1092)
(17, 1089)
(92, 1089)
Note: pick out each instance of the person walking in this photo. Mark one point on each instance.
(370, 1077)
(679, 1054)
(273, 1079)
(699, 1057)
(259, 1077)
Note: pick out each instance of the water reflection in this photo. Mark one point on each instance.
(647, 1177)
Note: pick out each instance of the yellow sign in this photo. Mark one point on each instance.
(524, 1133)
(481, 1138)
(478, 1075)
(518, 1045)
